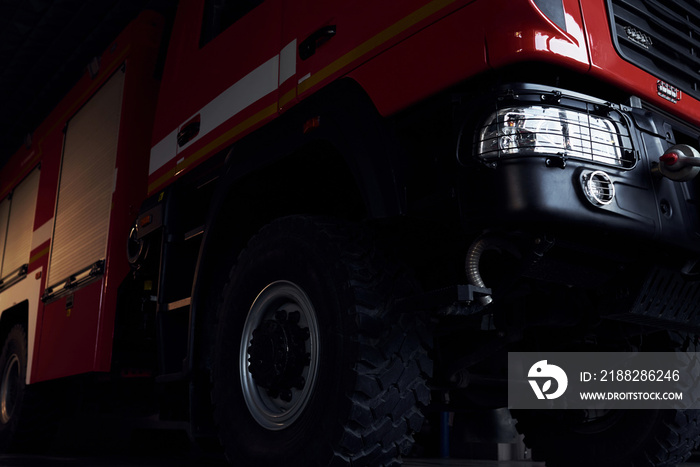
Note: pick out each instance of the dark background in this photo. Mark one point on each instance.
(45, 47)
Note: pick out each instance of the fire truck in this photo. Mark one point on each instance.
(298, 226)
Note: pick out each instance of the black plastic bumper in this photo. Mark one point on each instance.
(547, 190)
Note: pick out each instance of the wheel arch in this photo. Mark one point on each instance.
(16, 314)
(343, 166)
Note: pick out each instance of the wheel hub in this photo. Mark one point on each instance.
(9, 389)
(277, 354)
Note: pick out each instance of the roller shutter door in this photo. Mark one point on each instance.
(87, 183)
(18, 240)
(4, 218)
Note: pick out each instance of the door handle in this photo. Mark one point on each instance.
(309, 45)
(188, 131)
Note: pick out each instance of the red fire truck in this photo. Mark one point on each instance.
(312, 216)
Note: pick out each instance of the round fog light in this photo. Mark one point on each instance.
(598, 187)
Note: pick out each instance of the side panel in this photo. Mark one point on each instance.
(425, 63)
(365, 30)
(93, 180)
(67, 343)
(226, 90)
(80, 235)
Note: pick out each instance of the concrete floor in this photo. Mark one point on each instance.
(89, 442)
(55, 461)
(468, 463)
(164, 460)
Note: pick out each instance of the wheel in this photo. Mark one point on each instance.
(29, 415)
(13, 372)
(312, 365)
(614, 438)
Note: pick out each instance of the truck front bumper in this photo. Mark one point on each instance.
(557, 160)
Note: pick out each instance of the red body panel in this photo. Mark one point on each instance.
(423, 64)
(205, 76)
(69, 339)
(78, 339)
(522, 33)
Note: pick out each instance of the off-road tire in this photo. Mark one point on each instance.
(370, 382)
(28, 417)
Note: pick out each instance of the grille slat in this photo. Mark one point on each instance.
(660, 37)
(664, 23)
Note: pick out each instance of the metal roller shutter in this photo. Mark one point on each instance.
(87, 182)
(20, 227)
(4, 217)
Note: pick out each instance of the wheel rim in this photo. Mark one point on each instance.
(9, 389)
(279, 355)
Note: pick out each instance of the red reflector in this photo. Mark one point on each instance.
(145, 220)
(669, 158)
(311, 124)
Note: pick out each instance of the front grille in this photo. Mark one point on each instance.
(661, 37)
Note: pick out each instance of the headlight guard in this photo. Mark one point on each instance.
(588, 132)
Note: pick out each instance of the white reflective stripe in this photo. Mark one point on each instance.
(288, 61)
(245, 92)
(42, 234)
(162, 152)
(28, 289)
(257, 84)
(304, 78)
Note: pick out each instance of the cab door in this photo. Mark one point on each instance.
(221, 80)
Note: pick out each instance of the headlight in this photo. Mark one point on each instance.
(535, 130)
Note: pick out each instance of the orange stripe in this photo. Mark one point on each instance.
(40, 254)
(374, 42)
(287, 97)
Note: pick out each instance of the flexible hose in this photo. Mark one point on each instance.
(472, 265)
